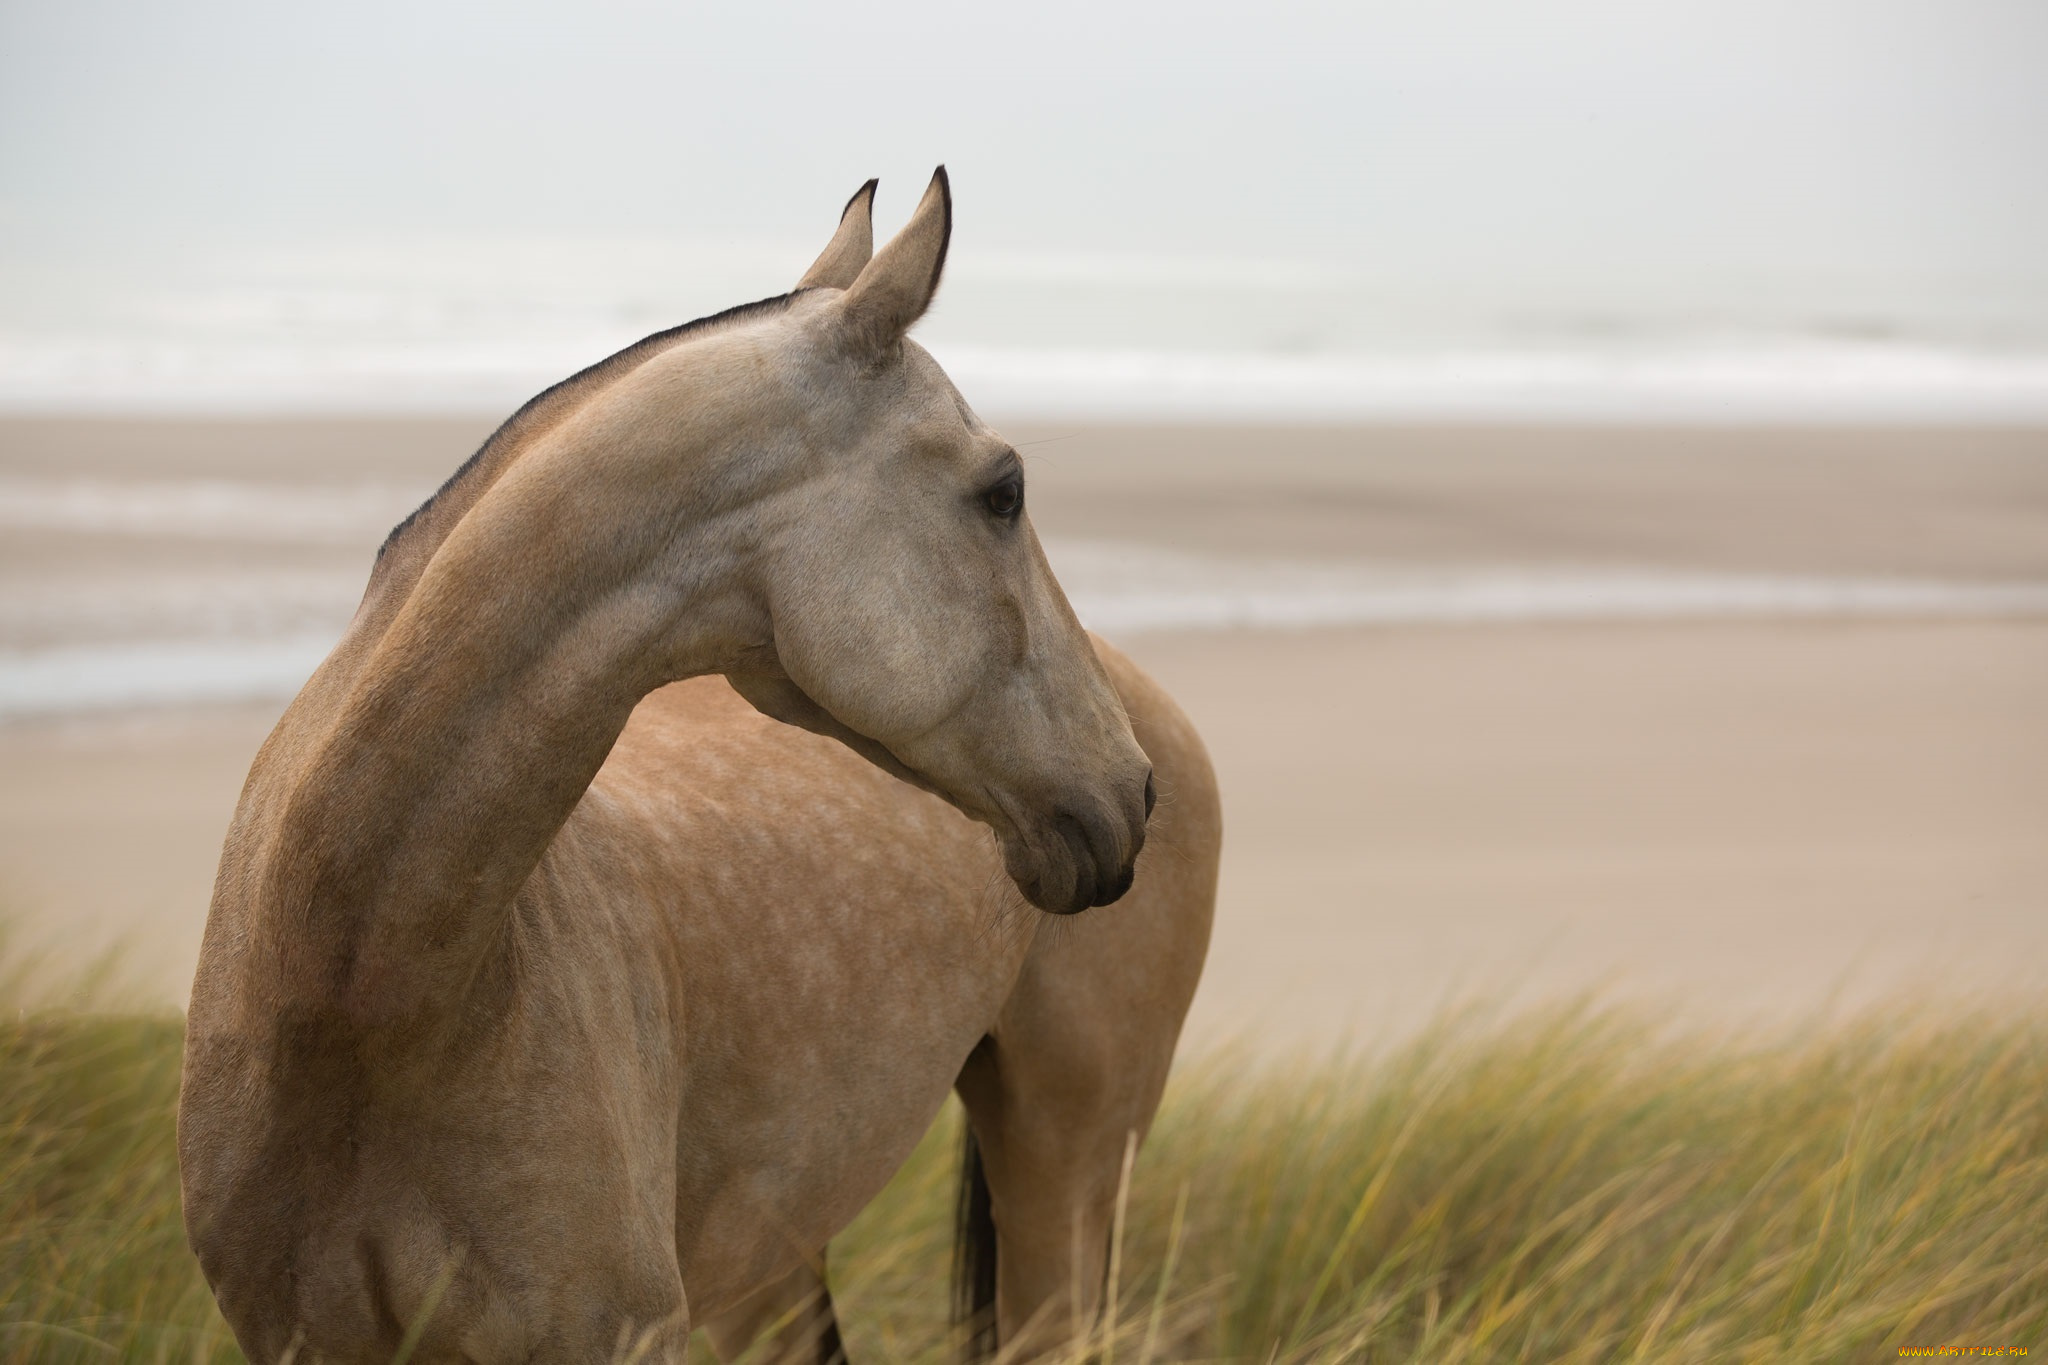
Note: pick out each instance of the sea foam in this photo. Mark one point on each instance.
(1787, 382)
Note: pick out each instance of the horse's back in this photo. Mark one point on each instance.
(840, 941)
(789, 843)
(844, 941)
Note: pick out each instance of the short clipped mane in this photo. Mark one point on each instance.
(558, 399)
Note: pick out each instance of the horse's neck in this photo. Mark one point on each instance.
(429, 767)
(411, 547)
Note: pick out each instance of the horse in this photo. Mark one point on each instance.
(710, 780)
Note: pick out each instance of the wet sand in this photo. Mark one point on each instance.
(1912, 501)
(1740, 819)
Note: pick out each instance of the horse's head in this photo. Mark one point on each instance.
(913, 614)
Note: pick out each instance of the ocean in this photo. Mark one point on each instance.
(476, 327)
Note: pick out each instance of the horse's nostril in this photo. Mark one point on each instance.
(1151, 795)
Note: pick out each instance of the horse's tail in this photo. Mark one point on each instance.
(974, 1253)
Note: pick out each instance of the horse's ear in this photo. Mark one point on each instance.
(840, 263)
(898, 284)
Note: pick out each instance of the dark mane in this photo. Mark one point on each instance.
(550, 398)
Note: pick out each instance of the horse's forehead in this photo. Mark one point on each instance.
(914, 408)
(926, 379)
(921, 408)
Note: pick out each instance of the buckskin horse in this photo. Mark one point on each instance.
(611, 913)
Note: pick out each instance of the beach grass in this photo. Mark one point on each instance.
(1567, 1185)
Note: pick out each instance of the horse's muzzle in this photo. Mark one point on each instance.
(1087, 857)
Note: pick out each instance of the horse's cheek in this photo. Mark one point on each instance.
(894, 658)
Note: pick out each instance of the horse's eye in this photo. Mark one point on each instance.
(1006, 499)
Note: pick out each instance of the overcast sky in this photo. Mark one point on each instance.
(1553, 145)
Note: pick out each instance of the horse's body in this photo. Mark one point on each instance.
(548, 1007)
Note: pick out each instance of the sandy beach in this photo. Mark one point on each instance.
(1737, 817)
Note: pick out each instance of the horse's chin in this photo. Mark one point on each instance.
(1061, 874)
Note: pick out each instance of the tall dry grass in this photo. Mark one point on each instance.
(1565, 1186)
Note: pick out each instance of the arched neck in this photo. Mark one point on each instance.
(437, 754)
